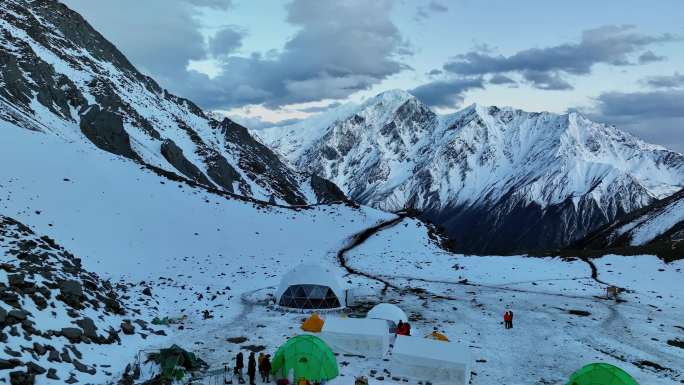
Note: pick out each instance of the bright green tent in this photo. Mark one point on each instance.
(309, 356)
(601, 374)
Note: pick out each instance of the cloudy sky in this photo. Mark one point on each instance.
(619, 61)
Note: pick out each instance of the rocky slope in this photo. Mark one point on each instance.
(657, 228)
(499, 179)
(57, 320)
(60, 76)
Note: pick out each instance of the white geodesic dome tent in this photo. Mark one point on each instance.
(388, 312)
(310, 286)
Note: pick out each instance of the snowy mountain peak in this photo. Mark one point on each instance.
(561, 175)
(391, 98)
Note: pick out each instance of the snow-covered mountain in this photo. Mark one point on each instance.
(498, 179)
(656, 228)
(61, 77)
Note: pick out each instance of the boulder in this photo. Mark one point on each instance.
(73, 334)
(127, 328)
(22, 378)
(53, 356)
(9, 364)
(71, 292)
(88, 326)
(52, 374)
(65, 356)
(34, 368)
(83, 368)
(71, 287)
(16, 316)
(39, 349)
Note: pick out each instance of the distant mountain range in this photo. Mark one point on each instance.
(500, 180)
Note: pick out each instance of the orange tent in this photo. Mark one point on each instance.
(313, 324)
(437, 336)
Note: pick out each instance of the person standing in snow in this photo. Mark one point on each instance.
(506, 318)
(510, 319)
(251, 368)
(260, 364)
(266, 374)
(239, 364)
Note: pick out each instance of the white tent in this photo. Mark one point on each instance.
(425, 359)
(310, 287)
(388, 312)
(362, 336)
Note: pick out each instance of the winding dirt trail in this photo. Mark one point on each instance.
(359, 238)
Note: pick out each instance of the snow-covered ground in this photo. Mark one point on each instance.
(547, 342)
(199, 251)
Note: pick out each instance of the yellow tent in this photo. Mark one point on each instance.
(313, 324)
(437, 336)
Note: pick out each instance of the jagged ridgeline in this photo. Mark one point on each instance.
(500, 180)
(62, 77)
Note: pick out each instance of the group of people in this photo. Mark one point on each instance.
(508, 319)
(263, 365)
(403, 328)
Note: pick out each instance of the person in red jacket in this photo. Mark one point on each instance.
(507, 320)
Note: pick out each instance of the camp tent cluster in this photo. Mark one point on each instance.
(432, 358)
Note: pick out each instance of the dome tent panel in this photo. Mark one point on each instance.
(310, 287)
(601, 374)
(388, 312)
(308, 356)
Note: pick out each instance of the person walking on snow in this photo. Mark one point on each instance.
(507, 318)
(251, 368)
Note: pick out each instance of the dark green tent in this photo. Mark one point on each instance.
(601, 374)
(175, 362)
(308, 356)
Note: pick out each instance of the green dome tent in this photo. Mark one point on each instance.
(601, 374)
(309, 356)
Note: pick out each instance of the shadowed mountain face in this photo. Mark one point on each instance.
(655, 229)
(60, 76)
(499, 180)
